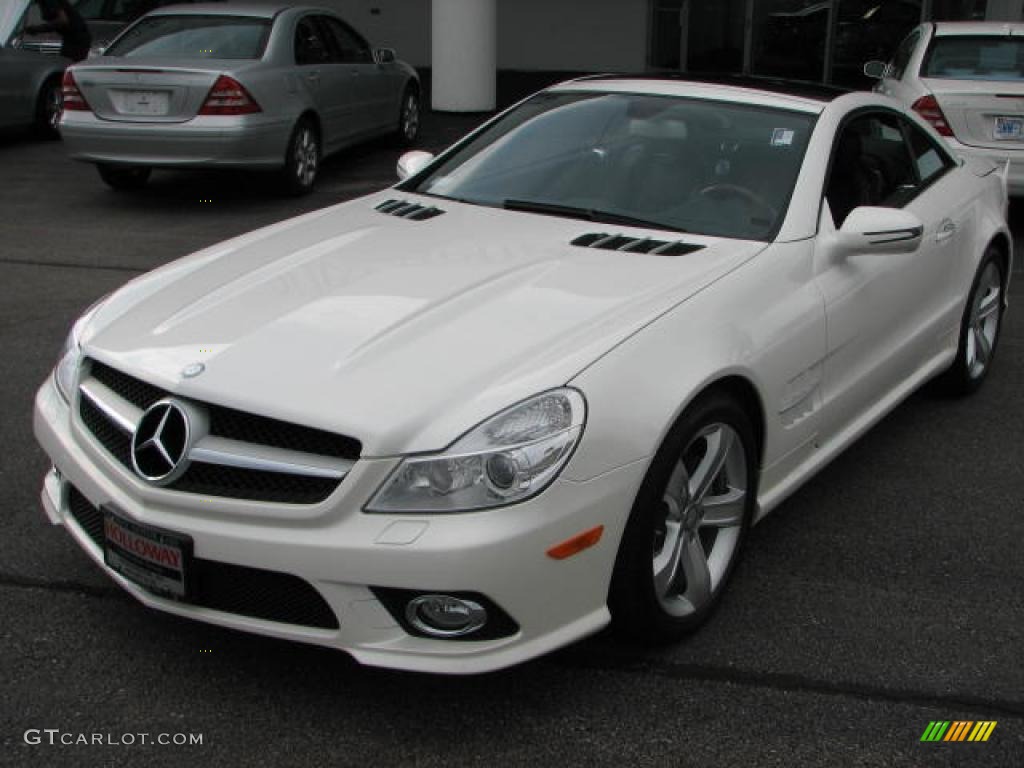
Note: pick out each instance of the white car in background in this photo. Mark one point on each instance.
(545, 383)
(967, 80)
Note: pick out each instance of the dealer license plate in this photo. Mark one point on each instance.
(152, 558)
(141, 102)
(1009, 128)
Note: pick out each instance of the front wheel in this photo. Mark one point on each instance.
(302, 159)
(979, 328)
(124, 177)
(684, 533)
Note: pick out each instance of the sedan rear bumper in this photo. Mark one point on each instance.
(234, 142)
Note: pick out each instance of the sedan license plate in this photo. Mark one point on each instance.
(1009, 128)
(141, 102)
(154, 559)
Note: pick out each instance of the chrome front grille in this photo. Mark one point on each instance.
(238, 455)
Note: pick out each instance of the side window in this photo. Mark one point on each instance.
(350, 47)
(930, 160)
(870, 166)
(310, 47)
(902, 55)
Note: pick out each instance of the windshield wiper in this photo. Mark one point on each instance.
(587, 214)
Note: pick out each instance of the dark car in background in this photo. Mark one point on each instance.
(105, 19)
(29, 80)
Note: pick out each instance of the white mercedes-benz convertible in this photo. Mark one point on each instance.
(544, 384)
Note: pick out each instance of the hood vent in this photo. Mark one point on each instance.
(406, 210)
(636, 244)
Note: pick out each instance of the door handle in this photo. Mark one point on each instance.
(946, 230)
(313, 76)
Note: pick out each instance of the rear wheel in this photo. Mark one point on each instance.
(124, 176)
(302, 159)
(49, 104)
(409, 117)
(979, 328)
(684, 533)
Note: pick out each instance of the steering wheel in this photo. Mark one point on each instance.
(721, 191)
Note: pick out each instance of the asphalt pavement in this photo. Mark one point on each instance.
(886, 594)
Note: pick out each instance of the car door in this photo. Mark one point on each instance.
(314, 76)
(885, 312)
(364, 91)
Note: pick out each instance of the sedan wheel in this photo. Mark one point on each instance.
(979, 329)
(684, 533)
(302, 160)
(409, 118)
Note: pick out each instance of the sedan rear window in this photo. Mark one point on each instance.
(194, 37)
(975, 58)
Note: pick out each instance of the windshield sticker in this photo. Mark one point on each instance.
(782, 137)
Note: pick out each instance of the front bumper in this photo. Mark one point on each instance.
(250, 141)
(342, 552)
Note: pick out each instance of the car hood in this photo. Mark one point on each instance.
(400, 333)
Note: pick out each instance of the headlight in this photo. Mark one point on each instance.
(510, 457)
(71, 354)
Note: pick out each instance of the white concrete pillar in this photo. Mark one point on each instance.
(464, 55)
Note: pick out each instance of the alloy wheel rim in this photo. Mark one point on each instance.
(410, 117)
(306, 157)
(983, 321)
(704, 505)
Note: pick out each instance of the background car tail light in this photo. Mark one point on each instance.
(928, 108)
(229, 97)
(73, 100)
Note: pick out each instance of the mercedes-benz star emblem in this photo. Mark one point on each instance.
(160, 443)
(191, 371)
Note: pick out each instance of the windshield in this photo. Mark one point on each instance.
(976, 58)
(689, 165)
(194, 37)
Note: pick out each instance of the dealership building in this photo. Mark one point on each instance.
(464, 42)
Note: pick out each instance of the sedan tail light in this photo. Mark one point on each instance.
(928, 108)
(73, 100)
(229, 97)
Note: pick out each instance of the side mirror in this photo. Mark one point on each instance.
(384, 55)
(879, 230)
(876, 69)
(412, 163)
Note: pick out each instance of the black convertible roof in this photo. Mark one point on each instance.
(800, 88)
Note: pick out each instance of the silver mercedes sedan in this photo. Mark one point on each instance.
(240, 85)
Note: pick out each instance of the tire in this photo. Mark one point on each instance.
(979, 328)
(302, 159)
(409, 117)
(49, 104)
(124, 177)
(678, 551)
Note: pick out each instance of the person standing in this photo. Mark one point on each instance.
(61, 17)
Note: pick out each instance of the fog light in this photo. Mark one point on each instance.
(445, 616)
